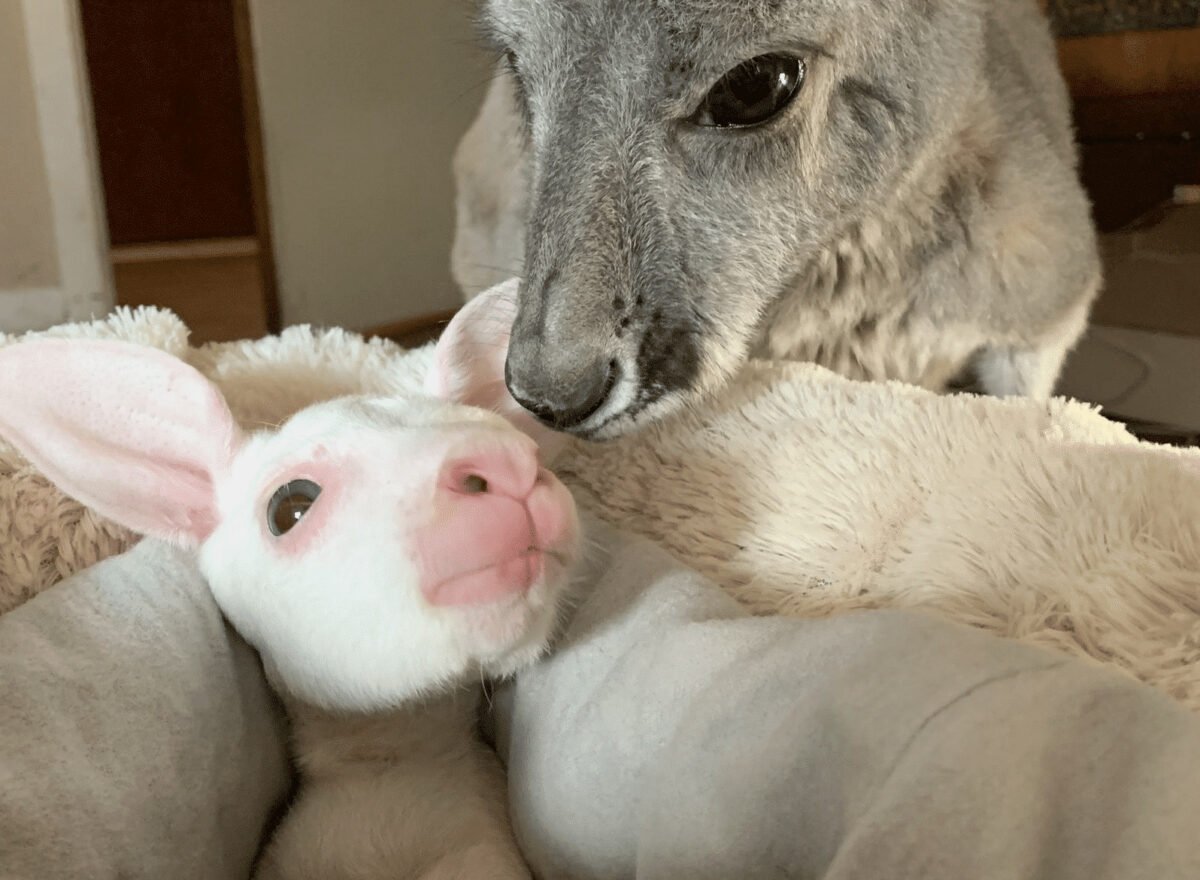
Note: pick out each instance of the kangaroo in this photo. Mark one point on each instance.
(888, 188)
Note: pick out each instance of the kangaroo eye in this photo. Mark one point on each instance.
(289, 504)
(512, 63)
(751, 93)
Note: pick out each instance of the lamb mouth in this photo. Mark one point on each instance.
(494, 583)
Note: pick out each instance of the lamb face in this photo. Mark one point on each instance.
(374, 550)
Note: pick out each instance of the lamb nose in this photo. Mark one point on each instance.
(510, 473)
(561, 405)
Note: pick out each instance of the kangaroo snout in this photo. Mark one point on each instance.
(497, 516)
(561, 379)
(560, 397)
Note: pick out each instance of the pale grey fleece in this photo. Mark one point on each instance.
(671, 736)
(138, 738)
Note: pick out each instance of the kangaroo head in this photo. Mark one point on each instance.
(687, 160)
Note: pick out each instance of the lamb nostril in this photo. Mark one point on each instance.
(473, 484)
(496, 467)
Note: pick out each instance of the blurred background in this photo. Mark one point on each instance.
(247, 163)
(257, 163)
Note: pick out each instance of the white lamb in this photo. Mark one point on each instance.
(383, 556)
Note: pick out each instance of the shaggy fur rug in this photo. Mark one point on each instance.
(801, 492)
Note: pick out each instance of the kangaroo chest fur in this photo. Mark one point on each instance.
(853, 311)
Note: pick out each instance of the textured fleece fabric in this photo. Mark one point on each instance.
(138, 738)
(673, 737)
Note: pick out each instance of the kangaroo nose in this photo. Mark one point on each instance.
(559, 404)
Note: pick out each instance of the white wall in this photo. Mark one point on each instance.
(53, 246)
(27, 252)
(362, 104)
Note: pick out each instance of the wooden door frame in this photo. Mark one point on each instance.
(258, 167)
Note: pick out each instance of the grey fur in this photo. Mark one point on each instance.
(915, 212)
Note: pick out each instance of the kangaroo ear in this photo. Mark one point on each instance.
(132, 432)
(468, 363)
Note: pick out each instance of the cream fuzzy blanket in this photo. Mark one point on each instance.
(802, 492)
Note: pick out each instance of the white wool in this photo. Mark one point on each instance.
(802, 492)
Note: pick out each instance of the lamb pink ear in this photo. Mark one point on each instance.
(132, 432)
(468, 364)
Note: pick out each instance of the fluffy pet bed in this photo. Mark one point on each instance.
(802, 492)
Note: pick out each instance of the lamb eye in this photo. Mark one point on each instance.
(289, 504)
(751, 93)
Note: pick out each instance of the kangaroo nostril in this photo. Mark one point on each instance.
(542, 411)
